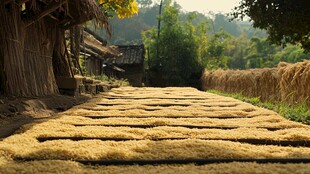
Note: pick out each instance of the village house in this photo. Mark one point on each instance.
(96, 52)
(129, 66)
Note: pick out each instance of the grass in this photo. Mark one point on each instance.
(112, 80)
(299, 112)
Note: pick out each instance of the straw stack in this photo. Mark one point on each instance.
(287, 82)
(261, 83)
(295, 82)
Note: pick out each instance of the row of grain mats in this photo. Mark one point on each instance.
(159, 130)
(287, 82)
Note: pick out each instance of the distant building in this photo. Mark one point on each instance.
(96, 52)
(129, 66)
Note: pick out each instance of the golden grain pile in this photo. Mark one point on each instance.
(155, 123)
(287, 82)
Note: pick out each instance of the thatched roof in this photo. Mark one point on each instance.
(132, 55)
(67, 13)
(99, 49)
(85, 10)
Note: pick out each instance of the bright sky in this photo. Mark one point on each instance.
(205, 6)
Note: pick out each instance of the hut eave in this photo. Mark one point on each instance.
(97, 46)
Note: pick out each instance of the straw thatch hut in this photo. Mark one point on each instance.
(129, 66)
(32, 42)
(96, 52)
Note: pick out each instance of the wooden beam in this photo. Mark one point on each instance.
(7, 1)
(96, 36)
(98, 51)
(85, 54)
(53, 17)
(49, 9)
(74, 23)
(65, 20)
(92, 53)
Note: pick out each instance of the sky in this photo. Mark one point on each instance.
(205, 6)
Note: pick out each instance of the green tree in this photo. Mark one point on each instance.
(144, 3)
(236, 51)
(260, 53)
(286, 21)
(179, 56)
(216, 51)
(291, 54)
(221, 22)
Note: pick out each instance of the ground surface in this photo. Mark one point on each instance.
(159, 130)
(15, 112)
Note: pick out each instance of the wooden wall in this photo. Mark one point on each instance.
(26, 55)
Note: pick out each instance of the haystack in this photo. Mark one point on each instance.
(295, 82)
(261, 83)
(287, 82)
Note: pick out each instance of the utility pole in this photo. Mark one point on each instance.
(158, 29)
(159, 18)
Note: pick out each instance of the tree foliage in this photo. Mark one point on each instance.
(256, 52)
(179, 49)
(221, 23)
(286, 21)
(192, 41)
(123, 8)
(216, 47)
(144, 3)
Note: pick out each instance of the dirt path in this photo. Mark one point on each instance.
(160, 130)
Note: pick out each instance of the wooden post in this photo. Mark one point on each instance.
(2, 75)
(49, 9)
(158, 31)
(78, 34)
(60, 64)
(75, 41)
(84, 52)
(69, 59)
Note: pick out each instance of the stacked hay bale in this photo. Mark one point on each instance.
(287, 82)
(295, 82)
(268, 84)
(261, 83)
